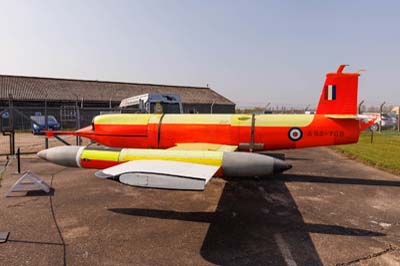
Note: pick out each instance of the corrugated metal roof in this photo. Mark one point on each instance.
(37, 89)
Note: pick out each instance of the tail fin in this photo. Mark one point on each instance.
(51, 134)
(339, 94)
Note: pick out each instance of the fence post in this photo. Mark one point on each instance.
(19, 160)
(78, 122)
(359, 106)
(11, 112)
(380, 120)
(46, 124)
(12, 142)
(12, 125)
(398, 119)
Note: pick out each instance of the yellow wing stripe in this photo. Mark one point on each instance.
(201, 157)
(100, 155)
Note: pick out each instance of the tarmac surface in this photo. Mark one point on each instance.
(327, 210)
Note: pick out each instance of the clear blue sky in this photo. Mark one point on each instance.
(253, 52)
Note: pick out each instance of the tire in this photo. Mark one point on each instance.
(374, 127)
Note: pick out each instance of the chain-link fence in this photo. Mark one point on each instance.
(67, 117)
(23, 126)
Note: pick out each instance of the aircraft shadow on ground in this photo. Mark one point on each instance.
(337, 180)
(255, 223)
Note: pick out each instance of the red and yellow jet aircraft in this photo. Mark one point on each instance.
(336, 122)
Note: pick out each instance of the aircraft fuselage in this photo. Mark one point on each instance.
(258, 132)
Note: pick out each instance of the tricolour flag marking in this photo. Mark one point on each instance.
(331, 92)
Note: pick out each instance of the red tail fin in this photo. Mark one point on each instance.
(339, 94)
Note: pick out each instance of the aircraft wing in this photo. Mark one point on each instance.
(161, 174)
(204, 147)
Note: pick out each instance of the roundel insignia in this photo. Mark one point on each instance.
(295, 134)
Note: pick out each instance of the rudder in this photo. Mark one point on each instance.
(339, 94)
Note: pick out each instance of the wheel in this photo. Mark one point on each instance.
(374, 127)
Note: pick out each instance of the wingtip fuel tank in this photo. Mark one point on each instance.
(233, 164)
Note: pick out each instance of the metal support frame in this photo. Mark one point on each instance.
(251, 145)
(4, 237)
(359, 106)
(11, 135)
(28, 182)
(19, 160)
(62, 140)
(6, 165)
(159, 130)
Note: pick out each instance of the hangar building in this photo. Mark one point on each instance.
(92, 97)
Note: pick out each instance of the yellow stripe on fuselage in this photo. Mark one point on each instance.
(199, 146)
(198, 119)
(122, 119)
(283, 120)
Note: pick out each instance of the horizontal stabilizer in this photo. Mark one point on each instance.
(365, 120)
(50, 133)
(161, 174)
(83, 132)
(342, 116)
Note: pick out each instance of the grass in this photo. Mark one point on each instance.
(383, 153)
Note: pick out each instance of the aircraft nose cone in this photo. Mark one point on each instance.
(280, 166)
(42, 154)
(63, 155)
